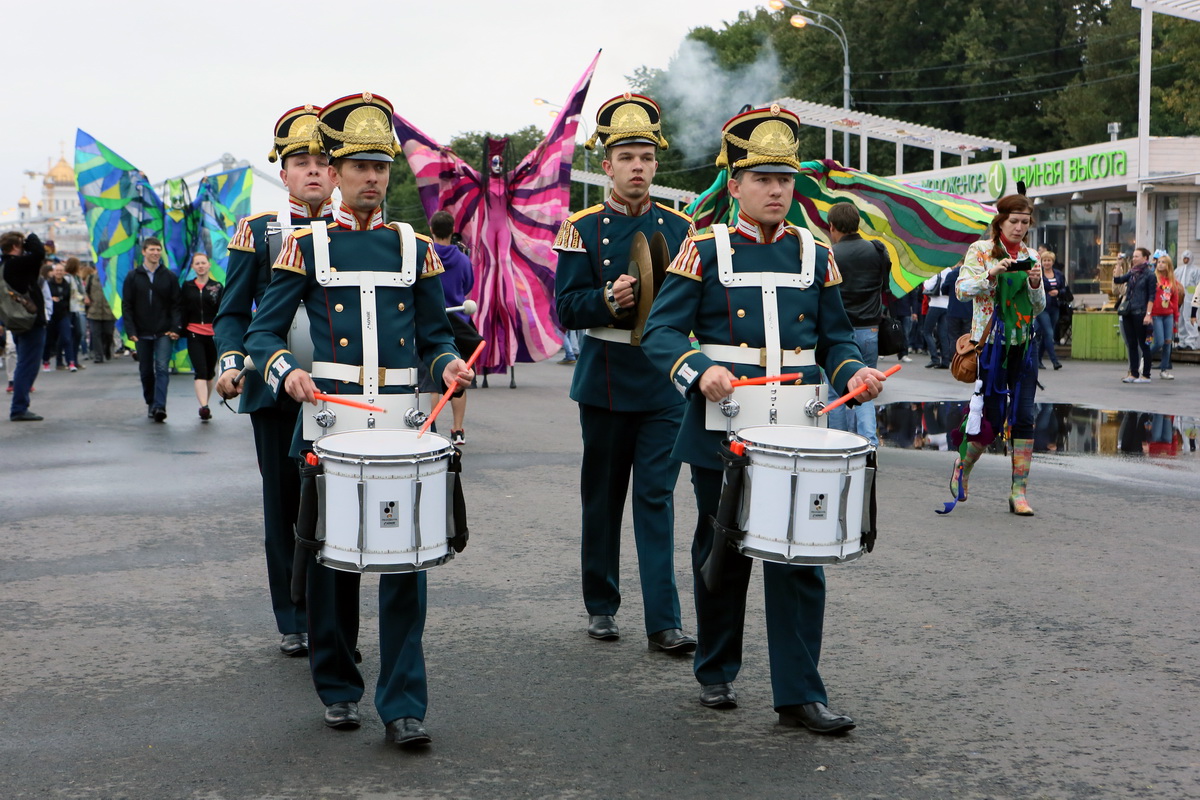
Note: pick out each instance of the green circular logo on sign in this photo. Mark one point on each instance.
(997, 179)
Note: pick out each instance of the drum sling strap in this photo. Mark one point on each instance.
(456, 505)
(307, 542)
(727, 521)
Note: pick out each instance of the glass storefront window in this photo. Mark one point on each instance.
(1052, 232)
(1125, 235)
(1083, 252)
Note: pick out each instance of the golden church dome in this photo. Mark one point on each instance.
(61, 174)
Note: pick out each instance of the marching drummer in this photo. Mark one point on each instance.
(370, 331)
(274, 421)
(734, 317)
(629, 414)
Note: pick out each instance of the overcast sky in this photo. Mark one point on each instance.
(174, 85)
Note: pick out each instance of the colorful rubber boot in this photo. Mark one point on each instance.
(1022, 454)
(974, 451)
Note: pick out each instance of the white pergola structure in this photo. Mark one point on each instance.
(1184, 9)
(901, 133)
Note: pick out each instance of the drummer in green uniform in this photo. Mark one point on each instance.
(720, 287)
(251, 252)
(376, 312)
(629, 414)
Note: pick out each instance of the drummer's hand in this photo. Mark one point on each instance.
(457, 374)
(300, 387)
(873, 378)
(225, 385)
(716, 383)
(623, 290)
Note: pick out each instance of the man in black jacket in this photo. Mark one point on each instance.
(864, 266)
(152, 313)
(21, 260)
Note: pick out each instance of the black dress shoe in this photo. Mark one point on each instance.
(603, 627)
(342, 716)
(294, 644)
(816, 717)
(407, 732)
(26, 416)
(718, 695)
(673, 641)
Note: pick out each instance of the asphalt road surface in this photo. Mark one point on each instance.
(983, 655)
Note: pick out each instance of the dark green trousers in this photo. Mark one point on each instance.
(401, 689)
(616, 445)
(795, 606)
(273, 430)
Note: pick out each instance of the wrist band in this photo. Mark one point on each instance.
(611, 299)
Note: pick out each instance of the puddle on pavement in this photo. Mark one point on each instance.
(1062, 428)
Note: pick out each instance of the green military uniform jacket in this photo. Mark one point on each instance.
(411, 326)
(246, 280)
(693, 299)
(593, 247)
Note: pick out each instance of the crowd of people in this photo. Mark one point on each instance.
(740, 304)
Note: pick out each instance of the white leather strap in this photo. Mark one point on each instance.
(757, 356)
(320, 240)
(803, 280)
(770, 307)
(611, 335)
(354, 374)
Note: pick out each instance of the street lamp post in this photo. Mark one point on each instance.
(803, 20)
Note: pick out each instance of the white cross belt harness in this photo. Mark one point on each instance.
(368, 374)
(772, 404)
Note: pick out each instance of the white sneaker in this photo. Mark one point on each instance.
(906, 360)
(1141, 380)
(1167, 375)
(1128, 379)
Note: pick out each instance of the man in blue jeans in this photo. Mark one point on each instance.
(865, 266)
(151, 309)
(20, 263)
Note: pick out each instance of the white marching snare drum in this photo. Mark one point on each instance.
(806, 495)
(383, 504)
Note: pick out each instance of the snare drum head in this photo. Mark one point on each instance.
(800, 438)
(380, 443)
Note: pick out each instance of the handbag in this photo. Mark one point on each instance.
(891, 334)
(964, 366)
(17, 311)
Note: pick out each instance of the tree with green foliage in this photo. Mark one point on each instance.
(1041, 74)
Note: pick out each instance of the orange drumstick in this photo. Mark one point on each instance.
(446, 397)
(333, 398)
(791, 376)
(848, 397)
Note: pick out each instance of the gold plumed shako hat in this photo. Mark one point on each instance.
(294, 131)
(761, 140)
(357, 126)
(628, 119)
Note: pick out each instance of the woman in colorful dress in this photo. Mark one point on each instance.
(1000, 275)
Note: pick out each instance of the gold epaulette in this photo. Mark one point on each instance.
(423, 238)
(578, 215)
(700, 237)
(259, 215)
(305, 231)
(679, 214)
(568, 239)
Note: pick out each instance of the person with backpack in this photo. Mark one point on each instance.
(21, 260)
